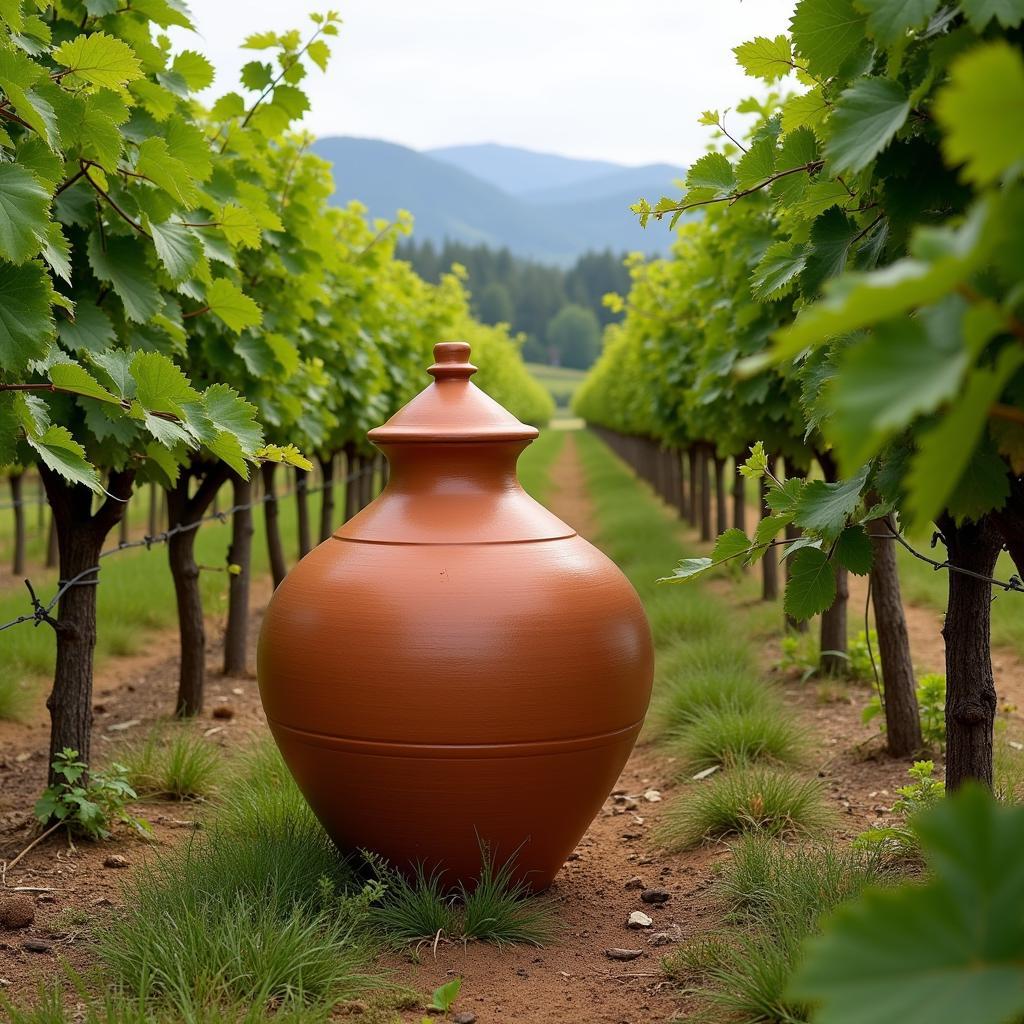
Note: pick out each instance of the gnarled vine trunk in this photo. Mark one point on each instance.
(721, 497)
(80, 536)
(770, 561)
(970, 687)
(272, 525)
(184, 510)
(327, 496)
(833, 660)
(693, 500)
(739, 497)
(902, 716)
(705, 494)
(236, 635)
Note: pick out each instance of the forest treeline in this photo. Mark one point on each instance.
(559, 310)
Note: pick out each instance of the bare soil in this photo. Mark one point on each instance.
(571, 980)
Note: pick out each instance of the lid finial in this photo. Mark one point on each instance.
(451, 361)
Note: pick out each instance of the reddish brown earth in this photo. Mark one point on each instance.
(571, 980)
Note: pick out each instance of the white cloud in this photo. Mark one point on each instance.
(621, 80)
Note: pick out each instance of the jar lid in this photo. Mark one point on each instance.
(453, 408)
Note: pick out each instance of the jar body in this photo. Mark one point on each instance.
(428, 697)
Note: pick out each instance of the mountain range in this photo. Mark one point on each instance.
(538, 205)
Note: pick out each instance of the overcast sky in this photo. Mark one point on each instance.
(621, 80)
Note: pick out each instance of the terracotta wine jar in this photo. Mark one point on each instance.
(456, 665)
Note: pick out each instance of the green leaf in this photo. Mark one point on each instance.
(26, 323)
(826, 33)
(977, 109)
(825, 508)
(257, 75)
(811, 588)
(730, 544)
(767, 59)
(945, 451)
(72, 377)
(24, 209)
(445, 996)
(18, 73)
(889, 21)
(777, 271)
(160, 386)
(319, 53)
(57, 252)
(1009, 13)
(239, 435)
(756, 463)
(832, 235)
(864, 122)
(194, 68)
(123, 265)
(856, 300)
(240, 226)
(177, 248)
(90, 330)
(59, 451)
(756, 165)
(944, 951)
(687, 569)
(983, 486)
(228, 302)
(853, 550)
(903, 369)
(805, 109)
(713, 171)
(99, 59)
(156, 163)
(767, 529)
(286, 454)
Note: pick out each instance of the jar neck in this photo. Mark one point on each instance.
(452, 467)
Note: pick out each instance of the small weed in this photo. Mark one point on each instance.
(91, 809)
(923, 791)
(172, 762)
(731, 737)
(745, 800)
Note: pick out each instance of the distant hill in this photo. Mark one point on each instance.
(518, 171)
(558, 219)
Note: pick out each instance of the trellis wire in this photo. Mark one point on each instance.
(87, 577)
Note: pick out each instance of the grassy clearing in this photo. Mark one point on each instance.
(562, 381)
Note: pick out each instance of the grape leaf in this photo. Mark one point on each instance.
(59, 451)
(871, 966)
(825, 508)
(986, 88)
(24, 206)
(178, 249)
(767, 59)
(1009, 13)
(864, 122)
(687, 569)
(778, 270)
(160, 386)
(757, 164)
(90, 331)
(805, 109)
(730, 544)
(99, 59)
(227, 301)
(890, 20)
(811, 587)
(73, 377)
(853, 550)
(194, 68)
(26, 323)
(826, 33)
(713, 171)
(122, 263)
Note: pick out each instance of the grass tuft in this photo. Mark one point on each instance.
(416, 909)
(733, 737)
(685, 700)
(173, 762)
(501, 910)
(745, 800)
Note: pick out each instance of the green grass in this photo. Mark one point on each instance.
(776, 895)
(415, 909)
(735, 737)
(755, 799)
(171, 761)
(682, 700)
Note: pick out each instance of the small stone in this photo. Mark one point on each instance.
(224, 711)
(17, 911)
(636, 882)
(573, 856)
(657, 897)
(652, 796)
(623, 954)
(666, 938)
(638, 919)
(36, 946)
(464, 1017)
(115, 860)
